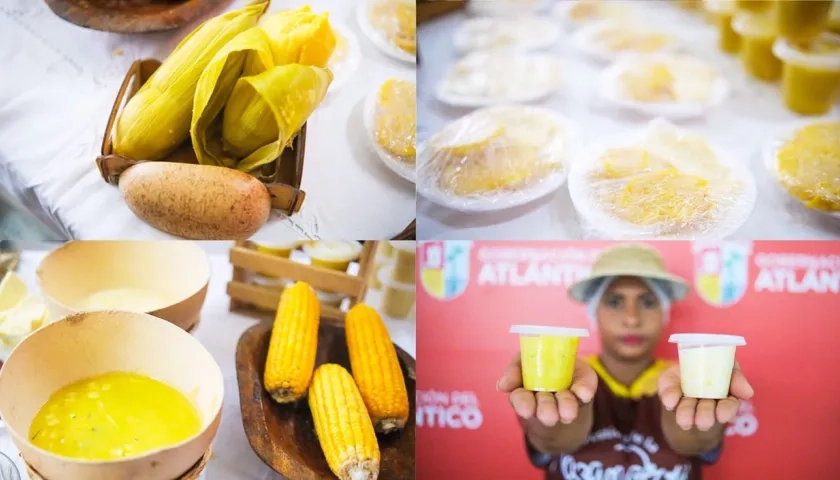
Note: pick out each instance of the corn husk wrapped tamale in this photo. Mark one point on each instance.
(265, 111)
(157, 119)
(264, 104)
(300, 36)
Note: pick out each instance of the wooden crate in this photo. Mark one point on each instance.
(261, 301)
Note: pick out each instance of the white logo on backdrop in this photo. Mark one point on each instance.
(797, 273)
(635, 443)
(534, 267)
(457, 409)
(745, 423)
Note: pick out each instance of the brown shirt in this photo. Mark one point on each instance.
(626, 441)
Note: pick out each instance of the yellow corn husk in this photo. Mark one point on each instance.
(396, 119)
(300, 36)
(157, 119)
(376, 369)
(342, 424)
(293, 344)
(265, 111)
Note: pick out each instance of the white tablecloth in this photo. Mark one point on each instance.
(58, 82)
(219, 331)
(748, 120)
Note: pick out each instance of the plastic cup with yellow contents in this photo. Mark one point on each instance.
(706, 363)
(548, 356)
(811, 74)
(333, 255)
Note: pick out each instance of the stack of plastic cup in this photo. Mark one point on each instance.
(706, 363)
(397, 280)
(277, 249)
(548, 356)
(332, 255)
(383, 258)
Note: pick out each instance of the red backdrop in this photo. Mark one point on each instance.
(784, 297)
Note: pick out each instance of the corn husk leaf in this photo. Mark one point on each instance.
(157, 119)
(247, 54)
(300, 36)
(265, 111)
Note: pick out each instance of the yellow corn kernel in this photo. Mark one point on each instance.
(293, 344)
(343, 426)
(376, 369)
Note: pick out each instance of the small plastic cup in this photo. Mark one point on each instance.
(405, 260)
(385, 250)
(397, 298)
(548, 356)
(375, 281)
(754, 5)
(811, 75)
(333, 255)
(706, 362)
(758, 33)
(723, 11)
(802, 20)
(329, 299)
(278, 249)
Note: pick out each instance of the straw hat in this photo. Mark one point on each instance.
(629, 260)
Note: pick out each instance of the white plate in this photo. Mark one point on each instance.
(582, 42)
(610, 227)
(405, 170)
(502, 8)
(348, 67)
(504, 200)
(525, 95)
(609, 88)
(379, 40)
(462, 42)
(770, 153)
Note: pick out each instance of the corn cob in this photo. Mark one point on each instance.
(376, 369)
(343, 425)
(157, 119)
(293, 344)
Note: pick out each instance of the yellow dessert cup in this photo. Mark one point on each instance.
(758, 33)
(723, 11)
(278, 249)
(548, 356)
(754, 5)
(333, 255)
(802, 19)
(706, 363)
(810, 79)
(397, 298)
(405, 260)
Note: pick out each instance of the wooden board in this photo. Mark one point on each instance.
(131, 16)
(283, 436)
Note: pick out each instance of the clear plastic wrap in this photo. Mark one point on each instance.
(499, 77)
(608, 40)
(496, 158)
(805, 163)
(390, 117)
(391, 25)
(520, 33)
(345, 57)
(576, 13)
(662, 182)
(663, 85)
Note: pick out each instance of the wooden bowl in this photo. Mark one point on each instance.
(177, 269)
(131, 16)
(283, 436)
(94, 343)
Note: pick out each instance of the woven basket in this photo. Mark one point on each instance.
(192, 474)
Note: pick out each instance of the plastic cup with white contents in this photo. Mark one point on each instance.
(706, 363)
(548, 356)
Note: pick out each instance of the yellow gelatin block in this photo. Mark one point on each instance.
(548, 362)
(802, 19)
(114, 416)
(729, 40)
(809, 91)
